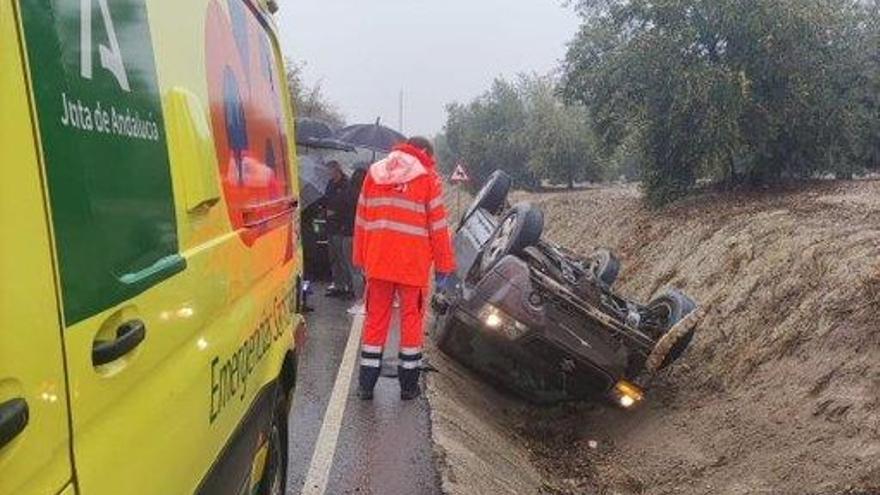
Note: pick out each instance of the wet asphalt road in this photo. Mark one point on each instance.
(384, 446)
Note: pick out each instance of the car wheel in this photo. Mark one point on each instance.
(491, 196)
(604, 266)
(520, 228)
(661, 316)
(275, 475)
(442, 306)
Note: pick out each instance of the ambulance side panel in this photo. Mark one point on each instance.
(165, 132)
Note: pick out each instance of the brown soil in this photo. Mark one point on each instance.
(780, 391)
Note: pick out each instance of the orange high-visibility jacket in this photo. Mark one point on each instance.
(401, 227)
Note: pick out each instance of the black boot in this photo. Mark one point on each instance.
(409, 383)
(367, 381)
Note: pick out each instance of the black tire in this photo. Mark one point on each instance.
(605, 266)
(443, 306)
(667, 310)
(520, 228)
(491, 197)
(274, 481)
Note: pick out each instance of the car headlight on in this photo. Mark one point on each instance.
(494, 320)
(627, 394)
(497, 320)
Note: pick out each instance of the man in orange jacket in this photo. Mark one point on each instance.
(401, 230)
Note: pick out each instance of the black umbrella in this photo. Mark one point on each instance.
(313, 179)
(314, 133)
(308, 128)
(374, 137)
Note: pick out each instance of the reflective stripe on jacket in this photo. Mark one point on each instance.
(401, 227)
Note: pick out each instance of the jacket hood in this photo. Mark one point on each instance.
(405, 164)
(419, 153)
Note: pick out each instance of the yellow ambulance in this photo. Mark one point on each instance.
(150, 261)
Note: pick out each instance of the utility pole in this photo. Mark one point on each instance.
(400, 113)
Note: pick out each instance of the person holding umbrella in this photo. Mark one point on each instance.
(340, 210)
(401, 232)
(357, 183)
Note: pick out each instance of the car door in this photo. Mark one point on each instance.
(34, 435)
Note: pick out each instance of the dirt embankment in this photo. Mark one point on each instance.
(780, 391)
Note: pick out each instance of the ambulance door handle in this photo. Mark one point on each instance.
(14, 417)
(129, 335)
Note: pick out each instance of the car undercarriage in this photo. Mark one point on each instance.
(543, 322)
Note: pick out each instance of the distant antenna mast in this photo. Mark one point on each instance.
(400, 113)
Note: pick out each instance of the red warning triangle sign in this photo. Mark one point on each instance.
(459, 174)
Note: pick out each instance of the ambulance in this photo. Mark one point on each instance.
(150, 262)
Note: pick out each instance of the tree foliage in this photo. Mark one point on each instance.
(523, 128)
(310, 101)
(739, 91)
(871, 99)
(486, 133)
(558, 135)
(446, 158)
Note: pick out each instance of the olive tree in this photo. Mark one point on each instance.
(736, 91)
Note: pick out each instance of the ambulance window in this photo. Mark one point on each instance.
(103, 140)
(248, 118)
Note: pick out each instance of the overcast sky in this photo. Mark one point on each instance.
(440, 51)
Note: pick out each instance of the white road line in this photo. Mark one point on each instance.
(325, 446)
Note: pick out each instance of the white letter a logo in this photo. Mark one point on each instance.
(111, 57)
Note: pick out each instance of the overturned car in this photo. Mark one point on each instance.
(543, 322)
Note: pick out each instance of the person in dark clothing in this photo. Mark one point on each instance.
(340, 206)
(357, 183)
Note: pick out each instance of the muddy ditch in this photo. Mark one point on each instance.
(779, 393)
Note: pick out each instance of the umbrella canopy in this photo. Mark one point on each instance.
(314, 133)
(374, 137)
(313, 179)
(307, 128)
(326, 144)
